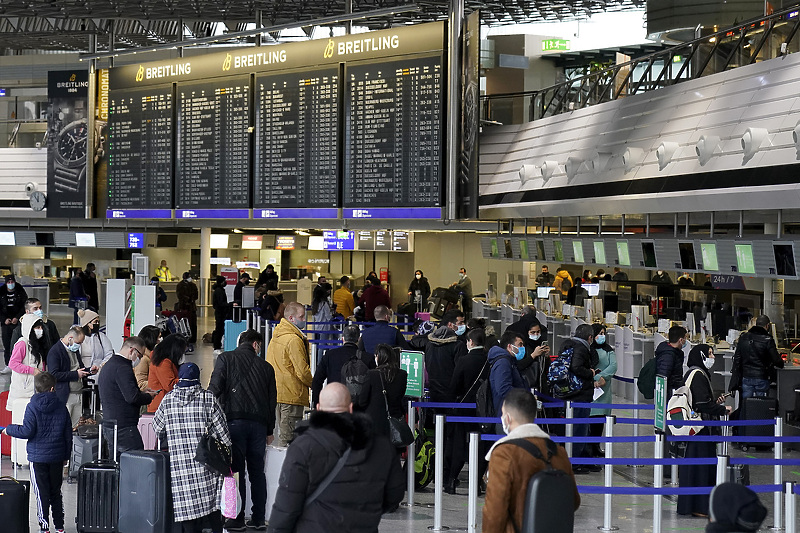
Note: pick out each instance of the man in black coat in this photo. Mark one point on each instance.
(369, 483)
(12, 307)
(381, 332)
(443, 348)
(583, 365)
(222, 311)
(268, 277)
(669, 358)
(330, 366)
(755, 360)
(244, 384)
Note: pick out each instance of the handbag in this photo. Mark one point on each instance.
(400, 434)
(231, 500)
(213, 454)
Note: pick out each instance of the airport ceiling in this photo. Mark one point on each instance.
(67, 24)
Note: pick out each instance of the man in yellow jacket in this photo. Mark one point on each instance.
(288, 354)
(343, 298)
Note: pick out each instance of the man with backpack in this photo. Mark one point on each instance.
(503, 372)
(333, 363)
(527, 458)
(669, 358)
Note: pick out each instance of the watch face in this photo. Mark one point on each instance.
(72, 142)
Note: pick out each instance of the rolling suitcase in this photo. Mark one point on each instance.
(5, 419)
(19, 447)
(14, 496)
(758, 408)
(145, 503)
(231, 336)
(84, 450)
(98, 493)
(149, 437)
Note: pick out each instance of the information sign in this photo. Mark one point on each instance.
(414, 364)
(659, 420)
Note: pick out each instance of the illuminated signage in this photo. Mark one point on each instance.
(251, 242)
(284, 242)
(550, 45)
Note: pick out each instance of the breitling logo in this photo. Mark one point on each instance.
(226, 65)
(140, 73)
(328, 53)
(72, 77)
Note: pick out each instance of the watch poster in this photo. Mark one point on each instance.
(470, 119)
(67, 134)
(100, 196)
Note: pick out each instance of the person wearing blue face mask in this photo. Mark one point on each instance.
(503, 372)
(12, 307)
(607, 367)
(64, 363)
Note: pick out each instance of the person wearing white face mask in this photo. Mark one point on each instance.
(27, 359)
(34, 307)
(64, 363)
(288, 354)
(187, 294)
(120, 395)
(419, 290)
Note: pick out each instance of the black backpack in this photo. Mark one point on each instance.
(484, 401)
(647, 379)
(549, 501)
(354, 375)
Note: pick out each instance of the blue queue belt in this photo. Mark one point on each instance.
(624, 380)
(666, 491)
(444, 405)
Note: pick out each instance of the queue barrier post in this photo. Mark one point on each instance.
(411, 459)
(658, 481)
(568, 429)
(438, 482)
(609, 476)
(791, 508)
(778, 477)
(472, 508)
(313, 358)
(722, 469)
(636, 434)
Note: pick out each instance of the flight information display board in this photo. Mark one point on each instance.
(212, 168)
(297, 135)
(393, 133)
(140, 146)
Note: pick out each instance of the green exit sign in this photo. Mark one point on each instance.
(549, 45)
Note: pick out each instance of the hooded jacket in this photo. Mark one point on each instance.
(756, 355)
(510, 469)
(669, 363)
(584, 359)
(442, 349)
(703, 400)
(561, 277)
(370, 483)
(373, 296)
(47, 427)
(503, 375)
(245, 386)
(287, 352)
(23, 363)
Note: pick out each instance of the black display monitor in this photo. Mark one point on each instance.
(649, 254)
(45, 239)
(540, 251)
(167, 240)
(784, 259)
(688, 261)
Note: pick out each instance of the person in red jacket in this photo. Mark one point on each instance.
(373, 296)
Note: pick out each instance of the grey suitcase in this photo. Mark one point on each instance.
(145, 504)
(84, 450)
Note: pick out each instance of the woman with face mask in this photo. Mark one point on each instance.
(96, 348)
(151, 335)
(222, 311)
(419, 290)
(705, 402)
(606, 368)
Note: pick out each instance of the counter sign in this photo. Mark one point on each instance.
(550, 45)
(135, 240)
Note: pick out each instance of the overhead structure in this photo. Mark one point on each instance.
(66, 24)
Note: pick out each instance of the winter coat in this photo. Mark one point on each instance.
(545, 279)
(443, 348)
(422, 286)
(60, 363)
(222, 309)
(381, 333)
(90, 288)
(119, 392)
(142, 372)
(371, 399)
(268, 279)
(370, 483)
(50, 333)
(288, 354)
(463, 386)
(703, 399)
(344, 302)
(184, 415)
(510, 469)
(373, 296)
(187, 294)
(756, 355)
(23, 363)
(76, 292)
(563, 282)
(163, 377)
(583, 361)
(330, 367)
(47, 427)
(669, 363)
(12, 303)
(607, 364)
(503, 376)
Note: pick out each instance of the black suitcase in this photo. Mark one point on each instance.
(145, 493)
(14, 505)
(758, 408)
(445, 293)
(408, 309)
(98, 493)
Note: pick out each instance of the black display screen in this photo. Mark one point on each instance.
(213, 158)
(649, 255)
(784, 259)
(140, 148)
(686, 250)
(297, 135)
(393, 132)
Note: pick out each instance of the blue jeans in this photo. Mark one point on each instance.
(754, 387)
(580, 449)
(249, 447)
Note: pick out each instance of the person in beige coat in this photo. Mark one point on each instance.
(288, 354)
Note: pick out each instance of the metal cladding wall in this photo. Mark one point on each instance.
(665, 15)
(605, 159)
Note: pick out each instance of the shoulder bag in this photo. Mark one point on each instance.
(213, 453)
(399, 433)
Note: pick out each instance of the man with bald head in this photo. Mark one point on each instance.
(288, 354)
(365, 475)
(381, 332)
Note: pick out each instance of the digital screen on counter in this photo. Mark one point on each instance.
(599, 252)
(623, 254)
(297, 135)
(383, 241)
(400, 241)
(140, 148)
(745, 262)
(709, 252)
(338, 240)
(649, 255)
(495, 252)
(393, 133)
(508, 250)
(85, 240)
(7, 238)
(686, 250)
(252, 242)
(784, 259)
(577, 250)
(523, 249)
(284, 242)
(540, 253)
(543, 292)
(558, 251)
(592, 288)
(213, 170)
(366, 241)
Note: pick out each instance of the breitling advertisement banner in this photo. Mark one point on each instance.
(67, 127)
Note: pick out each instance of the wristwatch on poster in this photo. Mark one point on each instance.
(70, 154)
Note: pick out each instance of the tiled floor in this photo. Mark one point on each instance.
(632, 514)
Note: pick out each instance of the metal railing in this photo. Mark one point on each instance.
(749, 42)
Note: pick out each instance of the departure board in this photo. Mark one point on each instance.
(213, 144)
(140, 148)
(394, 134)
(297, 135)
